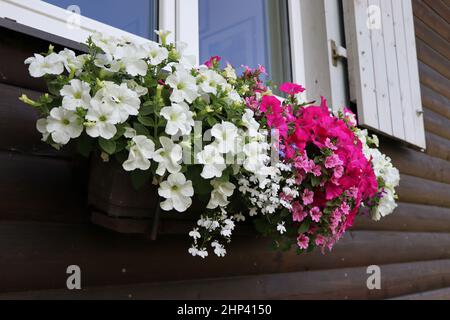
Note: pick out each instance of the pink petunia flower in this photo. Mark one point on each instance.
(303, 242)
(308, 197)
(333, 161)
(298, 215)
(291, 88)
(315, 214)
(212, 61)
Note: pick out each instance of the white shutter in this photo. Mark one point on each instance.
(383, 67)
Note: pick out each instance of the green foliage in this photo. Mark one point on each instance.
(108, 146)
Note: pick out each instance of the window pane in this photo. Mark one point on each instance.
(134, 16)
(247, 32)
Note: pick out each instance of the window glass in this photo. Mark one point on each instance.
(135, 16)
(247, 32)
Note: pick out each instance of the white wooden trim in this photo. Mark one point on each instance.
(58, 21)
(296, 38)
(167, 18)
(187, 26)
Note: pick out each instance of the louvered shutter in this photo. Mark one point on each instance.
(383, 67)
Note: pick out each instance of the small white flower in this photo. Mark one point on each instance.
(213, 162)
(102, 123)
(253, 212)
(239, 217)
(202, 253)
(141, 151)
(40, 65)
(219, 249)
(281, 228)
(131, 56)
(64, 125)
(226, 135)
(195, 234)
(168, 157)
(219, 196)
(177, 192)
(184, 86)
(76, 95)
(179, 119)
(156, 53)
(193, 251)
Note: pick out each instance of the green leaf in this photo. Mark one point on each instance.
(211, 121)
(146, 110)
(315, 181)
(85, 145)
(109, 146)
(146, 121)
(140, 129)
(139, 178)
(262, 226)
(304, 227)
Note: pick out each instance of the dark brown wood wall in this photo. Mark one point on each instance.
(44, 223)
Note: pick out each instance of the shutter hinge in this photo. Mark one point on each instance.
(337, 53)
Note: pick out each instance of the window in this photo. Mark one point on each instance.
(135, 16)
(249, 32)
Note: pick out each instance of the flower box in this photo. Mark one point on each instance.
(117, 205)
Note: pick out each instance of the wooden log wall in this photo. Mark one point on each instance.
(44, 223)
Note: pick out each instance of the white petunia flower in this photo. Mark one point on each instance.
(210, 80)
(101, 122)
(177, 191)
(184, 86)
(129, 133)
(230, 72)
(106, 62)
(133, 85)
(141, 151)
(256, 156)
(156, 53)
(179, 119)
(168, 157)
(226, 135)
(41, 126)
(64, 125)
(76, 95)
(219, 196)
(248, 120)
(72, 61)
(108, 44)
(40, 65)
(121, 99)
(132, 58)
(213, 162)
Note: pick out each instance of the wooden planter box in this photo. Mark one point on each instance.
(116, 205)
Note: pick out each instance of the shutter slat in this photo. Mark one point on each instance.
(383, 67)
(398, 129)
(414, 74)
(380, 74)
